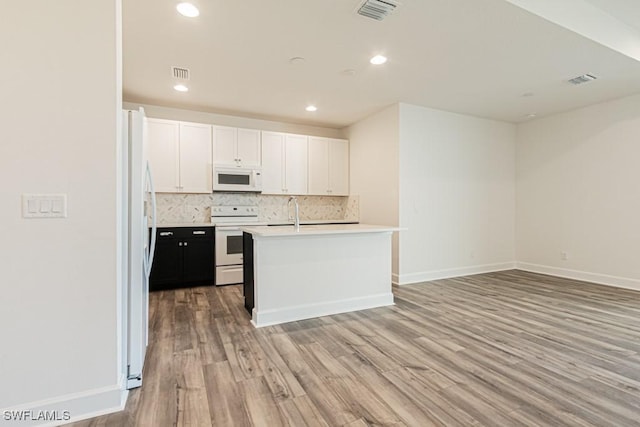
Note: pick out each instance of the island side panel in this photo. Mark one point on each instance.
(247, 271)
(299, 277)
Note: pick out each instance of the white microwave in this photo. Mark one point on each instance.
(237, 179)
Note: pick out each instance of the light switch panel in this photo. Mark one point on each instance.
(44, 205)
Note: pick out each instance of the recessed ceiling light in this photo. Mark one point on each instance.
(378, 60)
(188, 10)
(530, 115)
(311, 108)
(181, 88)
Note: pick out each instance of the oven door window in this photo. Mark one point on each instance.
(234, 179)
(234, 245)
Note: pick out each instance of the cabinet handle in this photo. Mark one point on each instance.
(179, 243)
(199, 233)
(166, 233)
(185, 243)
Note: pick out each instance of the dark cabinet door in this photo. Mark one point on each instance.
(198, 261)
(184, 257)
(166, 270)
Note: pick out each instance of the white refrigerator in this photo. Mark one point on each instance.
(138, 227)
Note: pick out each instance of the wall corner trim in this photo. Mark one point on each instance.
(395, 279)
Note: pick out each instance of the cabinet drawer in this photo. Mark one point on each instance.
(229, 274)
(171, 233)
(198, 232)
(164, 234)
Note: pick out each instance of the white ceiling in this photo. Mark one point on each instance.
(474, 57)
(627, 11)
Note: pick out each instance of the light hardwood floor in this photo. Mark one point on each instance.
(500, 349)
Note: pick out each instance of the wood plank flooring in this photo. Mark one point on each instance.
(500, 349)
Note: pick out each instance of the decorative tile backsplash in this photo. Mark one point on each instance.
(187, 208)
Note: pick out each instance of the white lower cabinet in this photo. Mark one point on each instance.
(328, 166)
(180, 156)
(284, 163)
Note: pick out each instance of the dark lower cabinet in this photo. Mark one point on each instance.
(184, 257)
(247, 271)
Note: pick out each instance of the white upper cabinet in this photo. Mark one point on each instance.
(163, 145)
(224, 146)
(196, 175)
(180, 156)
(339, 167)
(272, 163)
(284, 163)
(328, 166)
(236, 147)
(249, 147)
(296, 164)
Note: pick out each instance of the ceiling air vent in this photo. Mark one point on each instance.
(582, 79)
(377, 9)
(180, 73)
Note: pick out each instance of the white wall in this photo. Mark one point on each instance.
(457, 194)
(60, 94)
(235, 121)
(374, 175)
(578, 191)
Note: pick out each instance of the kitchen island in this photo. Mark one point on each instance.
(315, 271)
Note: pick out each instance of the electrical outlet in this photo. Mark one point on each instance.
(564, 256)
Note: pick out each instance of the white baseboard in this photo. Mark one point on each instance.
(407, 279)
(602, 279)
(308, 311)
(78, 406)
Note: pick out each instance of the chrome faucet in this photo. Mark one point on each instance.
(296, 219)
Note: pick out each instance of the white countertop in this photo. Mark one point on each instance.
(317, 221)
(183, 224)
(272, 223)
(314, 230)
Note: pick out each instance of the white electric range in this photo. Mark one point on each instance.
(228, 253)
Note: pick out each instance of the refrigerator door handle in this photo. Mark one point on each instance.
(152, 246)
